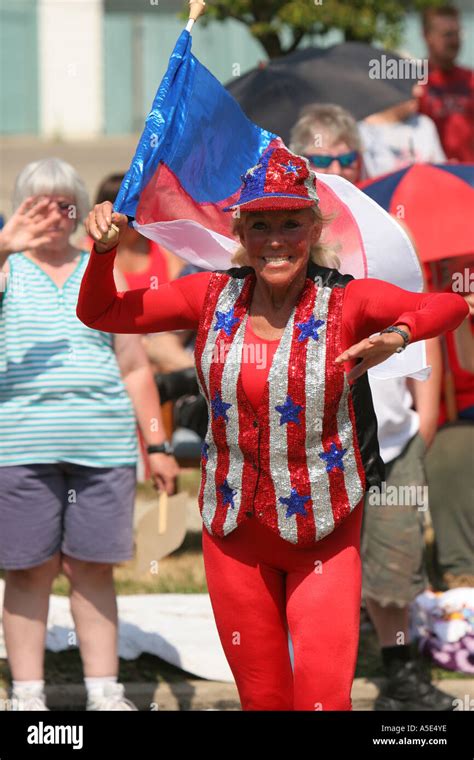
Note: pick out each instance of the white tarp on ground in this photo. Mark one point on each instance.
(179, 628)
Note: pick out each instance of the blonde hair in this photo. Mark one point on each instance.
(320, 254)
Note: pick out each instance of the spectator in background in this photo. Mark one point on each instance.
(450, 465)
(448, 97)
(68, 401)
(398, 137)
(328, 136)
(143, 262)
(392, 537)
(464, 337)
(460, 342)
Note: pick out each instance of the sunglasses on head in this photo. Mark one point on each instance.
(345, 160)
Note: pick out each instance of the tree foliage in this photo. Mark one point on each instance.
(273, 22)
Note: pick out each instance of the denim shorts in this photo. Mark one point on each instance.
(84, 512)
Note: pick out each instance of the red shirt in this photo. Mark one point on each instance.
(369, 306)
(448, 99)
(463, 381)
(157, 268)
(254, 375)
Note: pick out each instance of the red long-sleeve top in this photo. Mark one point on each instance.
(369, 306)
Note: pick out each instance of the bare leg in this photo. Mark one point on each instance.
(390, 622)
(94, 609)
(25, 615)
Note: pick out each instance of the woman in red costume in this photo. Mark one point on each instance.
(283, 345)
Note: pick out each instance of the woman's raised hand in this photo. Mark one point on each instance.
(99, 223)
(26, 228)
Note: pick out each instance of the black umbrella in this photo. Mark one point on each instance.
(273, 94)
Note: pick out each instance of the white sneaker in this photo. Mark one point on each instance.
(27, 702)
(112, 699)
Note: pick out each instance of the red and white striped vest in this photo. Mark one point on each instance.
(296, 464)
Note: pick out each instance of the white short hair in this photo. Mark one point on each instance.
(328, 116)
(52, 176)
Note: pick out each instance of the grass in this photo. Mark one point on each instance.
(180, 573)
(189, 480)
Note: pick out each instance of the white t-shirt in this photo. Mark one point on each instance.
(392, 146)
(397, 421)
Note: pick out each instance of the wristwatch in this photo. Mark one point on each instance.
(401, 332)
(160, 448)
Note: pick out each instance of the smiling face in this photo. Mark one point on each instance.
(278, 243)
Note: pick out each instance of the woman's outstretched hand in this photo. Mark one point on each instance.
(99, 222)
(372, 351)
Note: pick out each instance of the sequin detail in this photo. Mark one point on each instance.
(226, 321)
(222, 294)
(289, 411)
(315, 395)
(296, 462)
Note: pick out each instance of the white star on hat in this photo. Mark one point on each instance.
(251, 172)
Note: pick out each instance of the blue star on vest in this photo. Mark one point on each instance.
(289, 411)
(290, 168)
(333, 458)
(295, 503)
(204, 451)
(228, 493)
(219, 407)
(309, 329)
(225, 320)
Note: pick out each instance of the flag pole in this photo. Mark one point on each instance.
(196, 9)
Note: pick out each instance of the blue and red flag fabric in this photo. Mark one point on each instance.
(196, 144)
(194, 150)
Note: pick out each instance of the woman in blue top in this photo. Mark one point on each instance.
(69, 401)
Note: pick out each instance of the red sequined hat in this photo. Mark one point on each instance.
(281, 180)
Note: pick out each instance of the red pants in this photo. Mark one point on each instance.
(261, 587)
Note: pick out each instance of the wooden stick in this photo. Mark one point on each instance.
(196, 9)
(162, 513)
(111, 234)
